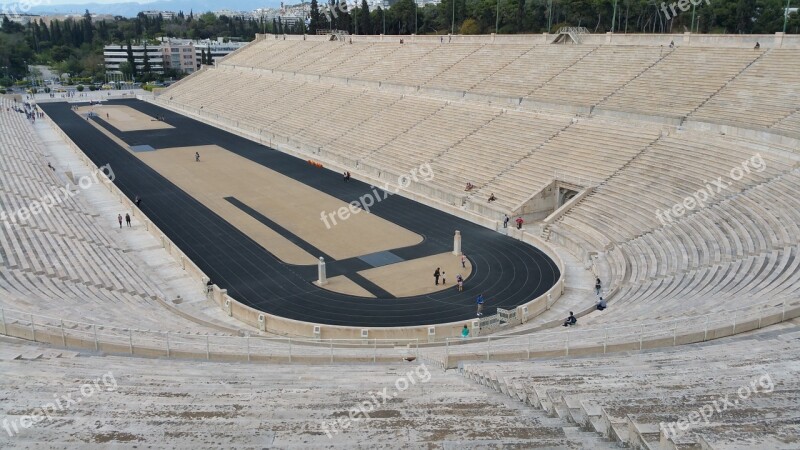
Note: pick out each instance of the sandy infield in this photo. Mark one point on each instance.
(415, 277)
(291, 204)
(125, 118)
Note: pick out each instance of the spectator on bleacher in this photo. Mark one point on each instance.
(465, 332)
(601, 304)
(128, 219)
(758, 46)
(209, 286)
(469, 186)
(519, 222)
(671, 44)
(119, 219)
(479, 301)
(597, 286)
(571, 320)
(491, 198)
(436, 275)
(505, 220)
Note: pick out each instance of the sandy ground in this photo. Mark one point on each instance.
(266, 237)
(415, 277)
(221, 173)
(125, 118)
(291, 204)
(344, 285)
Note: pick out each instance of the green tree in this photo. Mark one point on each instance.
(88, 31)
(470, 26)
(314, 25)
(364, 19)
(131, 59)
(146, 61)
(402, 13)
(126, 69)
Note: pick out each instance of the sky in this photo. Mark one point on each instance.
(84, 2)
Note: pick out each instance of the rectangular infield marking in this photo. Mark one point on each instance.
(380, 259)
(142, 148)
(124, 118)
(284, 200)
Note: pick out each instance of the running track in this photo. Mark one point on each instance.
(507, 271)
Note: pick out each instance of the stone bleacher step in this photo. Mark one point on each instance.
(9, 354)
(57, 353)
(618, 432)
(30, 355)
(643, 435)
(587, 439)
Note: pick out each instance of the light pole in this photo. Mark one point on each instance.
(453, 23)
(497, 18)
(384, 17)
(416, 21)
(614, 17)
(786, 16)
(549, 15)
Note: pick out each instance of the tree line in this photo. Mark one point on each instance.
(76, 45)
(539, 16)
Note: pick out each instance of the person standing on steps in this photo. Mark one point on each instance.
(436, 275)
(128, 219)
(119, 219)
